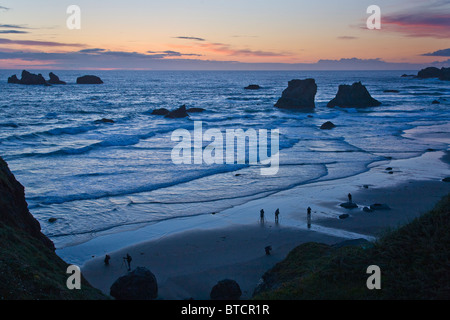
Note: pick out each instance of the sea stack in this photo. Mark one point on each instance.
(299, 94)
(433, 72)
(178, 113)
(54, 79)
(354, 96)
(28, 79)
(89, 80)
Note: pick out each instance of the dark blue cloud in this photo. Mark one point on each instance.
(190, 38)
(439, 53)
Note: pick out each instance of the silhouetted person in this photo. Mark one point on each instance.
(268, 249)
(309, 218)
(128, 260)
(350, 197)
(107, 258)
(261, 214)
(277, 212)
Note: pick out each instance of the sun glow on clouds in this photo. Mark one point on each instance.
(141, 34)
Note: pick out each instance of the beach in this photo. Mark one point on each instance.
(230, 244)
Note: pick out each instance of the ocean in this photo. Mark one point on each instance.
(100, 178)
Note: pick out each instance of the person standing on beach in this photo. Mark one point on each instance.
(309, 218)
(107, 258)
(128, 259)
(277, 212)
(261, 214)
(350, 197)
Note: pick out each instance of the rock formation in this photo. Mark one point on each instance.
(140, 284)
(354, 96)
(28, 79)
(252, 87)
(178, 113)
(195, 110)
(14, 209)
(328, 125)
(433, 72)
(160, 112)
(299, 94)
(54, 79)
(226, 290)
(89, 80)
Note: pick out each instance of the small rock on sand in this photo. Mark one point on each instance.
(349, 205)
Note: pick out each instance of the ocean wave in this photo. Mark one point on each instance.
(49, 200)
(9, 125)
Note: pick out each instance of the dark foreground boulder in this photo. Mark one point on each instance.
(252, 87)
(328, 125)
(344, 216)
(354, 96)
(299, 94)
(447, 179)
(140, 284)
(89, 80)
(54, 79)
(178, 113)
(160, 112)
(226, 290)
(28, 79)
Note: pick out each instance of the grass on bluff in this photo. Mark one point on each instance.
(31, 271)
(414, 262)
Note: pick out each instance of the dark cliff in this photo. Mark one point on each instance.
(29, 266)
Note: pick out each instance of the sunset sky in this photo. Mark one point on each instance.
(223, 34)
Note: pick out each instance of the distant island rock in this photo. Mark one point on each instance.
(328, 125)
(54, 79)
(407, 75)
(433, 72)
(299, 94)
(28, 79)
(89, 80)
(160, 112)
(354, 96)
(195, 110)
(103, 120)
(181, 112)
(252, 87)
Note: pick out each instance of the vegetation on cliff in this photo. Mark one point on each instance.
(29, 267)
(414, 262)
